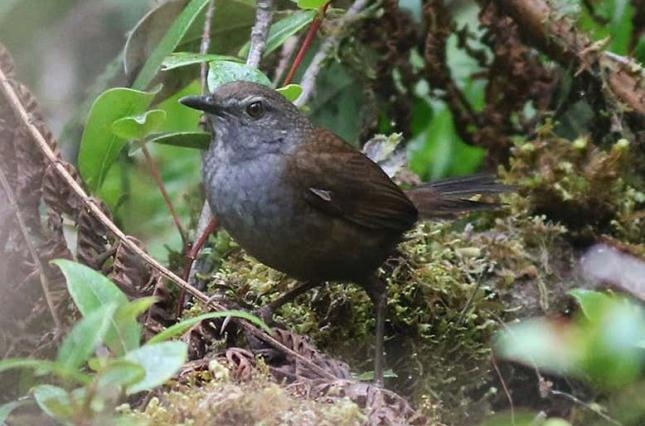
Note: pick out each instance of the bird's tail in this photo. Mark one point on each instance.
(457, 195)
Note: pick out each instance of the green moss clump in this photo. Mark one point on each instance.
(258, 401)
(450, 286)
(579, 185)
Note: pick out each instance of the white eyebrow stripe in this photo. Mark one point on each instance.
(252, 98)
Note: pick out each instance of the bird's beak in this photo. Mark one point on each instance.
(202, 103)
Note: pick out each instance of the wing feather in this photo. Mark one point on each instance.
(339, 181)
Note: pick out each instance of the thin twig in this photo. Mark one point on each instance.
(260, 31)
(580, 402)
(154, 171)
(44, 282)
(308, 82)
(306, 43)
(15, 103)
(505, 388)
(206, 42)
(286, 52)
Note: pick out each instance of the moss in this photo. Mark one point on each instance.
(586, 188)
(452, 283)
(259, 401)
(450, 286)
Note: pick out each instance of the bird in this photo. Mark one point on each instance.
(303, 201)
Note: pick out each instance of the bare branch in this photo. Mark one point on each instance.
(260, 31)
(206, 41)
(330, 44)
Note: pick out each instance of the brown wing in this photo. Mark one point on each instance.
(340, 181)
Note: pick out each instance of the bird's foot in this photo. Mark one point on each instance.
(265, 313)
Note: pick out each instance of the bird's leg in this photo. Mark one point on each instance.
(377, 291)
(266, 312)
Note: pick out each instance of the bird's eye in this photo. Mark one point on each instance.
(255, 109)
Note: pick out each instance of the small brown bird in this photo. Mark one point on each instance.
(301, 200)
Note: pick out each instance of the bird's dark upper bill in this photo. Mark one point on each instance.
(202, 103)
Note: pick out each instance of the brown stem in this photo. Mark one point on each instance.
(306, 44)
(154, 171)
(190, 258)
(308, 81)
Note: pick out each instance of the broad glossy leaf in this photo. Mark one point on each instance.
(100, 147)
(160, 361)
(84, 338)
(282, 30)
(196, 140)
(222, 72)
(136, 127)
(290, 91)
(170, 40)
(90, 290)
(183, 59)
(183, 326)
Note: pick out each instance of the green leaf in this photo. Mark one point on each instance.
(438, 151)
(290, 91)
(282, 30)
(543, 343)
(42, 367)
(120, 373)
(183, 59)
(197, 140)
(81, 342)
(181, 327)
(136, 307)
(54, 401)
(160, 361)
(100, 147)
(222, 72)
(91, 290)
(126, 317)
(137, 127)
(169, 42)
(593, 303)
(311, 4)
(604, 349)
(230, 28)
(7, 409)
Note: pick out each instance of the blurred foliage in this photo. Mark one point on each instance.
(603, 343)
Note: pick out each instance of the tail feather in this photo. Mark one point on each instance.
(455, 195)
